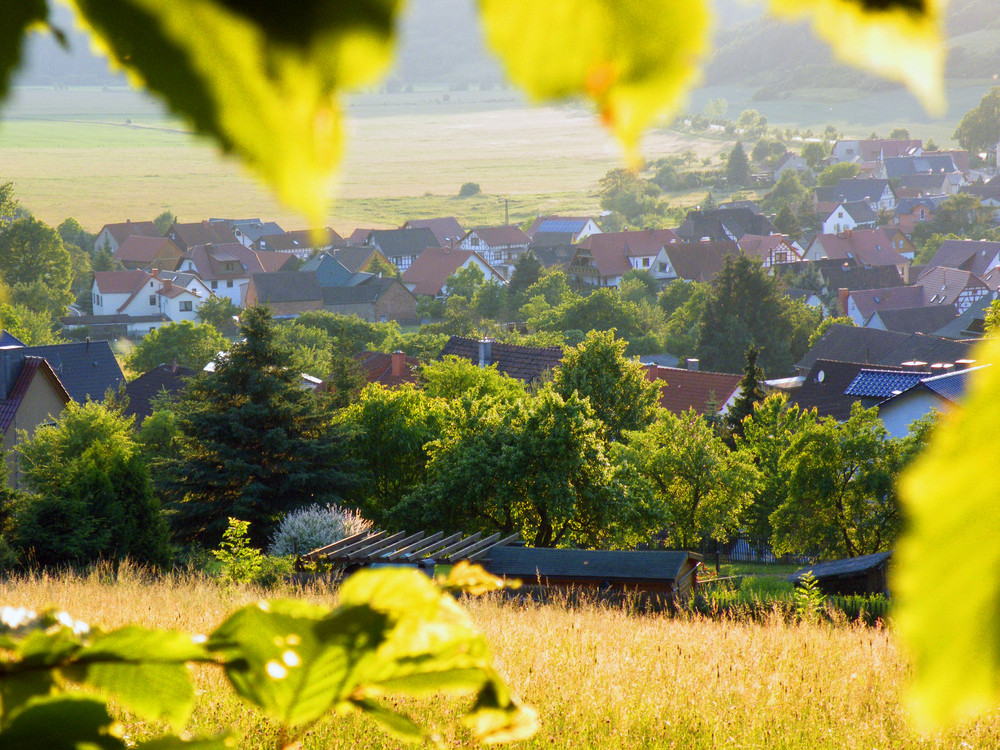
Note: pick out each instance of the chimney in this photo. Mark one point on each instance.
(398, 363)
(842, 295)
(173, 366)
(485, 352)
(651, 371)
(693, 364)
(156, 272)
(167, 284)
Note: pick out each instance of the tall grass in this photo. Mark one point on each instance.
(599, 676)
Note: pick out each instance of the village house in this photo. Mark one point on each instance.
(301, 243)
(401, 246)
(976, 256)
(432, 268)
(112, 236)
(191, 234)
(446, 229)
(948, 288)
(561, 230)
(877, 194)
(146, 298)
(709, 393)
(870, 247)
(770, 250)
(248, 231)
(227, 269)
(603, 259)
(698, 261)
(913, 211)
(849, 215)
(137, 251)
(723, 225)
(874, 150)
(499, 246)
(527, 363)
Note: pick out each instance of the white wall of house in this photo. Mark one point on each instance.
(839, 221)
(182, 307)
(901, 412)
(588, 229)
(104, 236)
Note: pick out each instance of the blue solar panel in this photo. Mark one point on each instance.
(561, 225)
(882, 383)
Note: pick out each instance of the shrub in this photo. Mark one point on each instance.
(315, 526)
(468, 189)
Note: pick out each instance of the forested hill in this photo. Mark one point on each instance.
(778, 58)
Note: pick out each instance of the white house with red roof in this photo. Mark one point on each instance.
(227, 269)
(770, 250)
(147, 297)
(886, 246)
(113, 235)
(603, 259)
(428, 273)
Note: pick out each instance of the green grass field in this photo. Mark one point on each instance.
(598, 676)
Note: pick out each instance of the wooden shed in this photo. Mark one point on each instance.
(853, 575)
(666, 574)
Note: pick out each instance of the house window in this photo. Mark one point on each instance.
(921, 213)
(186, 306)
(475, 241)
(229, 284)
(662, 267)
(645, 262)
(781, 256)
(228, 265)
(152, 299)
(215, 285)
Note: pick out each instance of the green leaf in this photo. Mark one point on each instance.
(199, 743)
(898, 39)
(143, 669)
(945, 575)
(260, 78)
(395, 723)
(634, 58)
(18, 16)
(278, 657)
(18, 689)
(62, 723)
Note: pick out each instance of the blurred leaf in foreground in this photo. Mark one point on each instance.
(898, 39)
(261, 78)
(634, 58)
(947, 568)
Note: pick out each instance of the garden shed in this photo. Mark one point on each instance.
(853, 575)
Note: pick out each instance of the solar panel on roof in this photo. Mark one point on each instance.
(560, 225)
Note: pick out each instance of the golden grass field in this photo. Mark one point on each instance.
(106, 155)
(599, 677)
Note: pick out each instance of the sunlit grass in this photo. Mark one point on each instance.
(599, 677)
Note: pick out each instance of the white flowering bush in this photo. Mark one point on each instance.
(315, 526)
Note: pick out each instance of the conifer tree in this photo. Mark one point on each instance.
(253, 444)
(738, 166)
(750, 393)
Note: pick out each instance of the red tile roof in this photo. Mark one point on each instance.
(209, 261)
(142, 251)
(377, 368)
(699, 261)
(120, 282)
(433, 266)
(31, 367)
(761, 246)
(682, 389)
(444, 229)
(125, 229)
(873, 247)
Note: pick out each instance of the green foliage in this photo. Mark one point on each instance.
(616, 387)
(18, 18)
(696, 484)
(311, 347)
(40, 298)
(241, 563)
(930, 245)
(454, 378)
(468, 189)
(991, 324)
(683, 327)
(91, 496)
(841, 499)
(295, 661)
(351, 333)
(748, 309)
(786, 222)
(465, 281)
(164, 221)
(72, 233)
(814, 153)
(787, 192)
(31, 327)
(391, 429)
(626, 193)
(979, 129)
(219, 311)
(808, 598)
(751, 394)
(962, 215)
(602, 310)
(836, 172)
(31, 252)
(527, 270)
(192, 345)
(738, 167)
(253, 444)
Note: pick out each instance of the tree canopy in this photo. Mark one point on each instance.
(979, 129)
(192, 345)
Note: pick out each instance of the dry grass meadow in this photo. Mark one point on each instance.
(102, 155)
(599, 677)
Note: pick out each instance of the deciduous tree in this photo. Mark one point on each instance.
(192, 345)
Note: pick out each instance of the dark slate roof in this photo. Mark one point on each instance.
(852, 189)
(970, 324)
(933, 182)
(984, 190)
(923, 319)
(522, 362)
(967, 255)
(906, 205)
(873, 346)
(554, 256)
(860, 211)
(589, 565)
(142, 390)
(951, 385)
(287, 286)
(930, 349)
(9, 339)
(352, 258)
(86, 369)
(840, 568)
(367, 292)
(854, 277)
(823, 389)
(723, 224)
(882, 383)
(401, 242)
(900, 166)
(330, 271)
(118, 319)
(551, 239)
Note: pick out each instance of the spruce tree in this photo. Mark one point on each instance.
(787, 223)
(738, 166)
(253, 445)
(750, 393)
